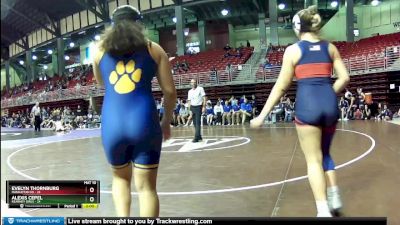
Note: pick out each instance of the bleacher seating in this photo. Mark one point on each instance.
(40, 85)
(72, 104)
(371, 50)
(369, 47)
(205, 61)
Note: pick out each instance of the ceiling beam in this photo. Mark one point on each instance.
(25, 42)
(209, 12)
(103, 5)
(31, 20)
(255, 3)
(8, 28)
(159, 9)
(53, 24)
(91, 8)
(199, 2)
(3, 36)
(49, 19)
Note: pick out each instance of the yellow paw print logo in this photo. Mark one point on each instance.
(124, 77)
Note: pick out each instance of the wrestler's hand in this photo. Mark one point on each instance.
(256, 122)
(166, 130)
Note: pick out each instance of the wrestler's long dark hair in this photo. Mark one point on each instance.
(125, 35)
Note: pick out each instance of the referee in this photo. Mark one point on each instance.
(36, 113)
(197, 104)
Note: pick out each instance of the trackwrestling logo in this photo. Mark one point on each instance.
(10, 220)
(33, 220)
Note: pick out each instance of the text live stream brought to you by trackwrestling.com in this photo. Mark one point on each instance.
(192, 221)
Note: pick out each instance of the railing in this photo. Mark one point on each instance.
(373, 63)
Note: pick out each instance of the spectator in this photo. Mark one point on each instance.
(158, 106)
(177, 66)
(358, 114)
(289, 111)
(397, 114)
(366, 113)
(360, 98)
(226, 116)
(96, 119)
(235, 111)
(183, 115)
(277, 111)
(246, 110)
(229, 69)
(385, 114)
(26, 122)
(241, 100)
(161, 113)
(176, 112)
(218, 110)
(253, 103)
(270, 47)
(227, 47)
(89, 119)
(209, 113)
(343, 106)
(267, 64)
(238, 54)
(213, 76)
(221, 101)
(190, 118)
(352, 108)
(185, 66)
(241, 47)
(348, 95)
(79, 114)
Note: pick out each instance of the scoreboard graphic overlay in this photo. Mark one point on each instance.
(53, 194)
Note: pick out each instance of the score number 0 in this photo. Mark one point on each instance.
(91, 190)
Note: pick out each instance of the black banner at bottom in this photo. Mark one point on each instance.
(222, 220)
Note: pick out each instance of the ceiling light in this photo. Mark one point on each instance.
(375, 2)
(224, 12)
(281, 6)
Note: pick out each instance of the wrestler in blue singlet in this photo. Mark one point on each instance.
(128, 132)
(316, 101)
